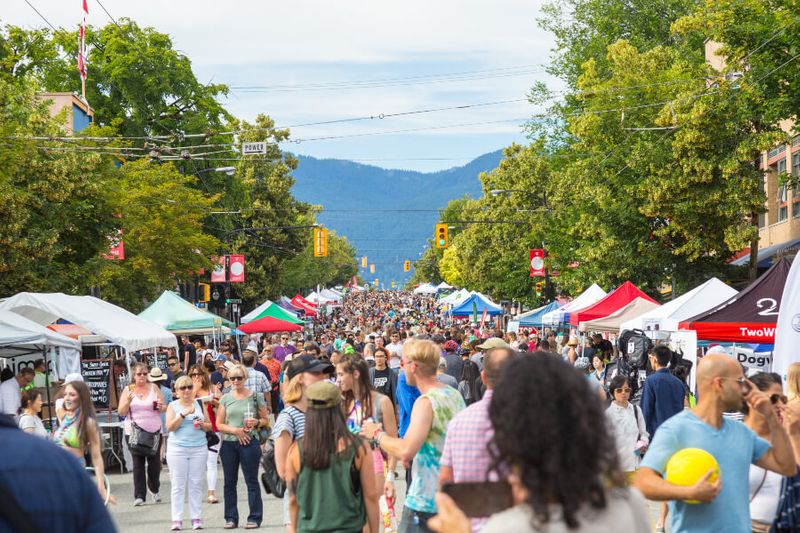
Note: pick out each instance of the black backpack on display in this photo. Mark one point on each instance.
(635, 345)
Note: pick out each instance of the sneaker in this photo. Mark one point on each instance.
(156, 496)
(176, 525)
(197, 523)
(137, 502)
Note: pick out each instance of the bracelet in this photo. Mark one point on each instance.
(378, 436)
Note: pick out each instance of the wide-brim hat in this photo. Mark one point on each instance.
(156, 375)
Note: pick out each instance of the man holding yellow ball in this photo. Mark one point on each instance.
(721, 493)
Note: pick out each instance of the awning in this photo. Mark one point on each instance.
(269, 324)
(766, 255)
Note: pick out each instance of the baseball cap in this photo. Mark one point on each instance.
(494, 342)
(323, 395)
(220, 357)
(307, 363)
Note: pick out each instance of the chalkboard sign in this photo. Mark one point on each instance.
(157, 360)
(96, 376)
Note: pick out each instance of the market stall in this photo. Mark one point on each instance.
(613, 301)
(561, 315)
(269, 324)
(270, 308)
(612, 322)
(476, 304)
(178, 316)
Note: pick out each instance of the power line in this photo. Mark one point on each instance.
(109, 16)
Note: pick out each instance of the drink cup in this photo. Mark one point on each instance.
(196, 422)
(155, 405)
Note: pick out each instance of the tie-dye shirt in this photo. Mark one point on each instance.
(446, 402)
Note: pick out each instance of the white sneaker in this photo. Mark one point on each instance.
(156, 496)
(137, 502)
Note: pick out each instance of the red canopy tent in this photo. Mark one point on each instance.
(309, 308)
(750, 316)
(613, 301)
(269, 324)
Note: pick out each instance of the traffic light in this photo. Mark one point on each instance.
(539, 288)
(204, 292)
(320, 242)
(441, 236)
(364, 261)
(407, 266)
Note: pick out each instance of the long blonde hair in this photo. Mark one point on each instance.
(793, 381)
(292, 389)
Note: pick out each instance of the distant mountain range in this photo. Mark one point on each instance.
(375, 207)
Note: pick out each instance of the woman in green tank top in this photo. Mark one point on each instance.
(329, 471)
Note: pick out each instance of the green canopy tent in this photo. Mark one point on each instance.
(176, 315)
(271, 309)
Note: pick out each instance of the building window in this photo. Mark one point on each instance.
(783, 213)
(796, 164)
(796, 209)
(781, 165)
(775, 151)
(762, 220)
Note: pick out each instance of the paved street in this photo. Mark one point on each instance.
(153, 517)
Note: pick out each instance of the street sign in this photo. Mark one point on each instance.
(254, 148)
(234, 300)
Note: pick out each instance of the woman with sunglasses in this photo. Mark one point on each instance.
(209, 396)
(765, 485)
(627, 425)
(187, 453)
(240, 415)
(142, 402)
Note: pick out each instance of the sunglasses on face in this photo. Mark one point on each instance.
(185, 387)
(141, 374)
(623, 389)
(236, 378)
(775, 398)
(194, 375)
(173, 364)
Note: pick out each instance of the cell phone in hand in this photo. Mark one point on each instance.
(480, 499)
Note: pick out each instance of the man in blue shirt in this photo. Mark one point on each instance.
(52, 490)
(663, 395)
(406, 396)
(725, 506)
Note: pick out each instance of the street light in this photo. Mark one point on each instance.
(227, 170)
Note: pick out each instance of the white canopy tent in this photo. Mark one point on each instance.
(667, 317)
(612, 322)
(425, 288)
(443, 286)
(112, 323)
(21, 337)
(319, 299)
(588, 297)
(455, 297)
(331, 295)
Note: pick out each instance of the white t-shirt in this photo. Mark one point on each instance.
(623, 424)
(10, 397)
(395, 354)
(764, 505)
(29, 421)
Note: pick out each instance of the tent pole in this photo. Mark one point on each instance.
(47, 387)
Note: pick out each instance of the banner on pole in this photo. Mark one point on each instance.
(218, 274)
(537, 262)
(236, 268)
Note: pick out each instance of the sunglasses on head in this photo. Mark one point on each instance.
(185, 387)
(236, 378)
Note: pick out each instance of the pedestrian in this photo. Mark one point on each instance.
(157, 377)
(330, 470)
(79, 434)
(273, 367)
(663, 396)
(284, 349)
(764, 485)
(465, 456)
(395, 349)
(469, 384)
(444, 377)
(187, 453)
(424, 438)
(559, 458)
(383, 378)
(627, 425)
(452, 359)
(189, 353)
(598, 372)
(256, 381)
(240, 416)
(142, 403)
(362, 402)
(30, 407)
(721, 387)
(204, 392)
(10, 392)
(301, 373)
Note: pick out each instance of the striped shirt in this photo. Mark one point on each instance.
(291, 420)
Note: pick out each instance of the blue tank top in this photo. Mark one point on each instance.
(186, 435)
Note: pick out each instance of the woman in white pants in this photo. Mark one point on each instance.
(187, 453)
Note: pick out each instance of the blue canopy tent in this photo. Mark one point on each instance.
(476, 304)
(534, 318)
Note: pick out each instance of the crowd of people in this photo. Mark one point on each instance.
(493, 431)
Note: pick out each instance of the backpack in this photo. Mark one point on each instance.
(635, 345)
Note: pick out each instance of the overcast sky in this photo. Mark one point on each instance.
(320, 60)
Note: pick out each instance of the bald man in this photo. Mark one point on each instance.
(721, 387)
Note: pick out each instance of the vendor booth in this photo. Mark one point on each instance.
(612, 322)
(476, 304)
(612, 302)
(561, 315)
(178, 316)
(534, 318)
(272, 309)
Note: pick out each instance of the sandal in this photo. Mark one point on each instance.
(229, 525)
(251, 525)
(212, 499)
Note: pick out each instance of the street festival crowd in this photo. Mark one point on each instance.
(492, 432)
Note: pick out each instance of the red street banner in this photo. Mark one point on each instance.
(236, 268)
(218, 274)
(117, 248)
(537, 262)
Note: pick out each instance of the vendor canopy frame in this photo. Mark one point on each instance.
(612, 302)
(750, 316)
(177, 315)
(113, 323)
(612, 322)
(561, 315)
(481, 302)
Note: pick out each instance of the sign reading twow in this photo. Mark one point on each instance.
(766, 332)
(254, 148)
